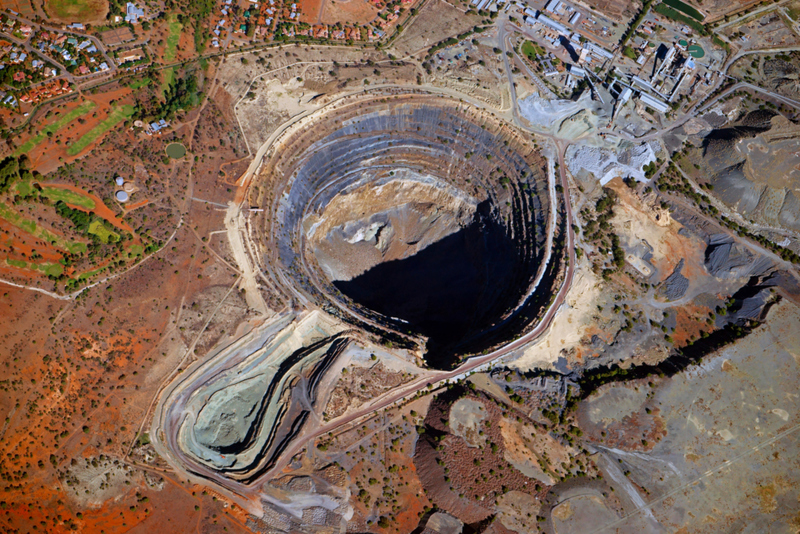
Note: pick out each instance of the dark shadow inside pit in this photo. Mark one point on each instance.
(449, 291)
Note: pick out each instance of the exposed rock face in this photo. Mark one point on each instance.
(405, 215)
(416, 214)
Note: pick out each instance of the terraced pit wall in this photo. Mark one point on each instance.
(411, 141)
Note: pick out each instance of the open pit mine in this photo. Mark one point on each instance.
(416, 218)
(408, 221)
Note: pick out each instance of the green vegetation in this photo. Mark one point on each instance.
(12, 171)
(719, 42)
(174, 36)
(635, 23)
(794, 12)
(629, 52)
(79, 218)
(685, 8)
(169, 76)
(53, 270)
(673, 14)
(138, 84)
(50, 129)
(89, 274)
(103, 232)
(531, 50)
(24, 188)
(117, 115)
(32, 228)
(70, 197)
(599, 231)
(182, 94)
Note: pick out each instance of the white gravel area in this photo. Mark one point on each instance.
(606, 164)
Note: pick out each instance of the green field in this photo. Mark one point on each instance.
(89, 274)
(24, 188)
(37, 231)
(117, 115)
(138, 84)
(676, 15)
(531, 50)
(173, 38)
(50, 269)
(136, 250)
(70, 197)
(685, 8)
(169, 75)
(17, 263)
(31, 143)
(103, 232)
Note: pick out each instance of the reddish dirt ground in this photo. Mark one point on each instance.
(691, 321)
(52, 152)
(351, 12)
(79, 375)
(310, 10)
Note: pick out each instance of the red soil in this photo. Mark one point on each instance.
(100, 209)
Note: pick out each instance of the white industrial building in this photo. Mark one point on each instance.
(654, 103)
(550, 23)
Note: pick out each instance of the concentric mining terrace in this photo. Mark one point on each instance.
(415, 217)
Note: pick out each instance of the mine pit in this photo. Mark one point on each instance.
(414, 215)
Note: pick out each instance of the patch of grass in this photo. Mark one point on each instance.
(136, 250)
(24, 188)
(138, 84)
(51, 269)
(89, 274)
(116, 116)
(169, 75)
(103, 233)
(31, 143)
(37, 231)
(17, 263)
(173, 38)
(531, 50)
(70, 197)
(629, 52)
